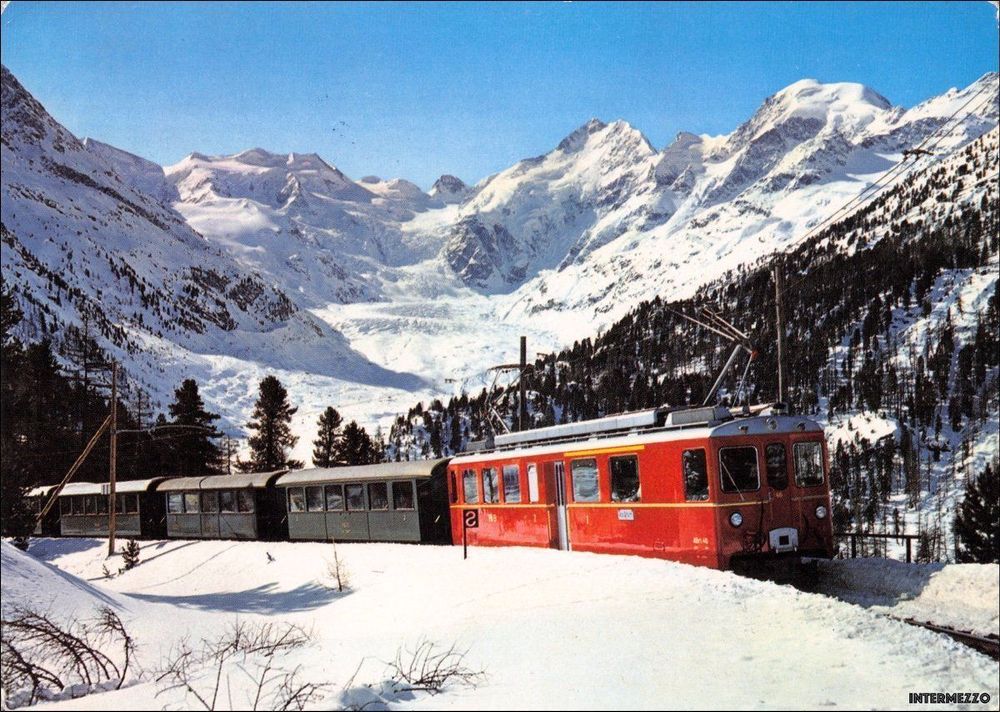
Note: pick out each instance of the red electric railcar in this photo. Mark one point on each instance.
(699, 486)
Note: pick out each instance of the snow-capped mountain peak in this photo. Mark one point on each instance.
(449, 189)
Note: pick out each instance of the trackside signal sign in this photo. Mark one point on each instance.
(470, 520)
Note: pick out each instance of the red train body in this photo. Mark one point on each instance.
(724, 493)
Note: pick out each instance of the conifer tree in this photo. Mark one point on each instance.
(977, 521)
(270, 421)
(355, 446)
(14, 517)
(325, 450)
(194, 451)
(455, 443)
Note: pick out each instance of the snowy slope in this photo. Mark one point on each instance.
(550, 629)
(364, 293)
(87, 236)
(301, 221)
(805, 152)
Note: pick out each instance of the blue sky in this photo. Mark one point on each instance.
(416, 90)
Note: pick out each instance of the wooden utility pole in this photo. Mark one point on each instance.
(522, 413)
(113, 465)
(780, 326)
(72, 470)
(229, 455)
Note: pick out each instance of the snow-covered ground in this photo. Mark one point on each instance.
(551, 630)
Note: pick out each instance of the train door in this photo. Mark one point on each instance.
(783, 527)
(559, 473)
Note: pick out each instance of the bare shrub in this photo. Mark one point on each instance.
(39, 658)
(337, 571)
(252, 650)
(429, 668)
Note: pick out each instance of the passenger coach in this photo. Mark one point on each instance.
(245, 506)
(698, 486)
(390, 501)
(83, 509)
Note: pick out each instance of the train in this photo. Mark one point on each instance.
(705, 486)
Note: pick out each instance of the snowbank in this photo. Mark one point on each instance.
(30, 583)
(962, 596)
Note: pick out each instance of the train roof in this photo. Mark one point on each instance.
(42, 491)
(753, 425)
(248, 480)
(121, 487)
(419, 469)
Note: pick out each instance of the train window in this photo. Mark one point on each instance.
(334, 498)
(191, 503)
(402, 495)
(102, 505)
(76, 504)
(355, 495)
(175, 503)
(808, 464)
(90, 504)
(378, 495)
(227, 501)
(314, 499)
(120, 504)
(65, 505)
(131, 504)
(511, 483)
(210, 502)
(695, 475)
(738, 469)
(585, 484)
(296, 499)
(625, 479)
(244, 501)
(777, 466)
(532, 482)
(470, 487)
(490, 490)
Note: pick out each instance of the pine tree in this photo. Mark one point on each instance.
(15, 519)
(270, 419)
(977, 521)
(325, 450)
(455, 442)
(356, 447)
(194, 451)
(130, 555)
(436, 437)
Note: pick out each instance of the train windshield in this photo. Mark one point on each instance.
(777, 467)
(808, 464)
(738, 469)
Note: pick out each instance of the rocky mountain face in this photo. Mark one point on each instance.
(449, 190)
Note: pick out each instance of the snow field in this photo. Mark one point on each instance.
(550, 629)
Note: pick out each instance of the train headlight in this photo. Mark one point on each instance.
(821, 512)
(735, 519)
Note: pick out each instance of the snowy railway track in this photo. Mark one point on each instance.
(988, 645)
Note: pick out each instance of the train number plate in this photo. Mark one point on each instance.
(626, 515)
